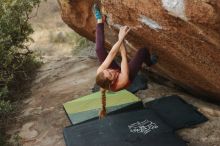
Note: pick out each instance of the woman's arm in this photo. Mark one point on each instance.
(124, 75)
(122, 33)
(124, 62)
(110, 57)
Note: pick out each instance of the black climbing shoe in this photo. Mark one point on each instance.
(153, 58)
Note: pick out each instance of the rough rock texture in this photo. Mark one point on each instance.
(184, 33)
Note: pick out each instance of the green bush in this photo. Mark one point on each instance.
(2, 141)
(5, 107)
(5, 110)
(80, 43)
(72, 38)
(17, 62)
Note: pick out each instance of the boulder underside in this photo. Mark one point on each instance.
(185, 34)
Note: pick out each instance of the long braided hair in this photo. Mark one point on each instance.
(103, 101)
(104, 83)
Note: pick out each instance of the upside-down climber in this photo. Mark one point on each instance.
(111, 76)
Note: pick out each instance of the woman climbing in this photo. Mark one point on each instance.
(109, 75)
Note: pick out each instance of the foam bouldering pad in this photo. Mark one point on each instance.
(136, 128)
(176, 112)
(87, 107)
(139, 83)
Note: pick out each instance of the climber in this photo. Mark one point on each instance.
(109, 75)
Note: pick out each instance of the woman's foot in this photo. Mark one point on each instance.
(96, 12)
(101, 18)
(153, 58)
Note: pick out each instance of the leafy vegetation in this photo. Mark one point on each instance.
(78, 42)
(17, 62)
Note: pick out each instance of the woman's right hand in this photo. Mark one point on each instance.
(123, 32)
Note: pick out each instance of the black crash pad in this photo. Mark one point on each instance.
(176, 112)
(136, 128)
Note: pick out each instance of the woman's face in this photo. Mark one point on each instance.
(108, 74)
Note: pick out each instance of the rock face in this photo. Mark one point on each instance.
(184, 33)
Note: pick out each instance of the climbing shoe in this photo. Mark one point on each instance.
(96, 12)
(153, 58)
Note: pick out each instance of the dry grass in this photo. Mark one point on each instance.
(53, 38)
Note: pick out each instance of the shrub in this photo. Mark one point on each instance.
(17, 62)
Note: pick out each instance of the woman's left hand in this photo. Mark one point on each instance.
(123, 32)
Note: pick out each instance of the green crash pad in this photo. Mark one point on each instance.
(87, 107)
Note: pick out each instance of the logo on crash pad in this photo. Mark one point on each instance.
(144, 127)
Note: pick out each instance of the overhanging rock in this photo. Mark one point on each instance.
(184, 33)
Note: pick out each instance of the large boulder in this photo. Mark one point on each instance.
(184, 33)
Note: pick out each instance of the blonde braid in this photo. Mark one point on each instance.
(102, 113)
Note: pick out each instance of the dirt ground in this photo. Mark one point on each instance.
(65, 76)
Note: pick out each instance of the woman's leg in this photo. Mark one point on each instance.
(100, 50)
(134, 65)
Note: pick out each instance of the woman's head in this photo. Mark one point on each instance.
(103, 81)
(105, 78)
